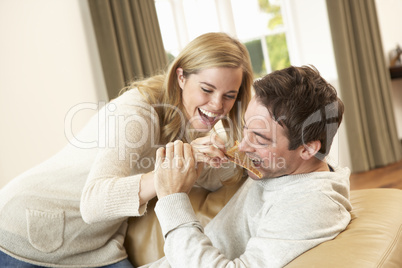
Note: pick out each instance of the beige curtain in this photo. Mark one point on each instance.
(364, 84)
(129, 41)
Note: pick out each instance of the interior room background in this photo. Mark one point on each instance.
(50, 62)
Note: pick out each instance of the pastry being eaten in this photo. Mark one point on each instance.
(241, 159)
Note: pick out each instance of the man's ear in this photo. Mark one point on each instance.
(180, 77)
(310, 149)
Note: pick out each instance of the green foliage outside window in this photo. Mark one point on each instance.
(276, 44)
(274, 11)
(278, 51)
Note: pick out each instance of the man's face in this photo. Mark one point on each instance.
(265, 143)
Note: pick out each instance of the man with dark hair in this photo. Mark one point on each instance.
(300, 201)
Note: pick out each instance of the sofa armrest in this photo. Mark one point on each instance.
(373, 238)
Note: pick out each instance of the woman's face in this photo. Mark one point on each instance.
(209, 95)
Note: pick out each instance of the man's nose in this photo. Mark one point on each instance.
(245, 144)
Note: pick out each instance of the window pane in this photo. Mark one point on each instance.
(278, 51)
(273, 9)
(257, 23)
(249, 20)
(167, 25)
(201, 17)
(254, 47)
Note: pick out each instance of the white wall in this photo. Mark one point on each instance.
(309, 38)
(49, 63)
(390, 21)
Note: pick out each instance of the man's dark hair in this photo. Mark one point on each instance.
(303, 103)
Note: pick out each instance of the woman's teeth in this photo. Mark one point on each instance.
(209, 114)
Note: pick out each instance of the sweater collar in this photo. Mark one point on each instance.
(287, 180)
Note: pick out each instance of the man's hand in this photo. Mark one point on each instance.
(175, 170)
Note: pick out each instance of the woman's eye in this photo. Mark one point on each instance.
(206, 90)
(230, 97)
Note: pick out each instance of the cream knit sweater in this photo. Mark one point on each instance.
(72, 210)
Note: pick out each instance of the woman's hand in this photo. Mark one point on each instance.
(210, 150)
(175, 170)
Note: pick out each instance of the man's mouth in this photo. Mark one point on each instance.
(256, 162)
(207, 116)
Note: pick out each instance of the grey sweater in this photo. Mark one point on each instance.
(72, 210)
(267, 223)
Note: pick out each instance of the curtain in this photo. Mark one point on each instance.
(365, 84)
(129, 41)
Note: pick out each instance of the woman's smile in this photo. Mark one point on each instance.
(209, 118)
(209, 95)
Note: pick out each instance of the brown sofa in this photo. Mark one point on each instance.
(372, 239)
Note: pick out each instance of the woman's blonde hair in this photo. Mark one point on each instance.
(207, 51)
(211, 50)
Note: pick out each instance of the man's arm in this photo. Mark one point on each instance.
(280, 236)
(185, 243)
(289, 230)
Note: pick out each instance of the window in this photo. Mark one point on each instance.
(256, 23)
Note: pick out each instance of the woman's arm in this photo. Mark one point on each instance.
(116, 186)
(147, 188)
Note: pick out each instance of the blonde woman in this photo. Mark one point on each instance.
(72, 210)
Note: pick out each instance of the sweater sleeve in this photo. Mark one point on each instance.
(111, 191)
(281, 234)
(185, 243)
